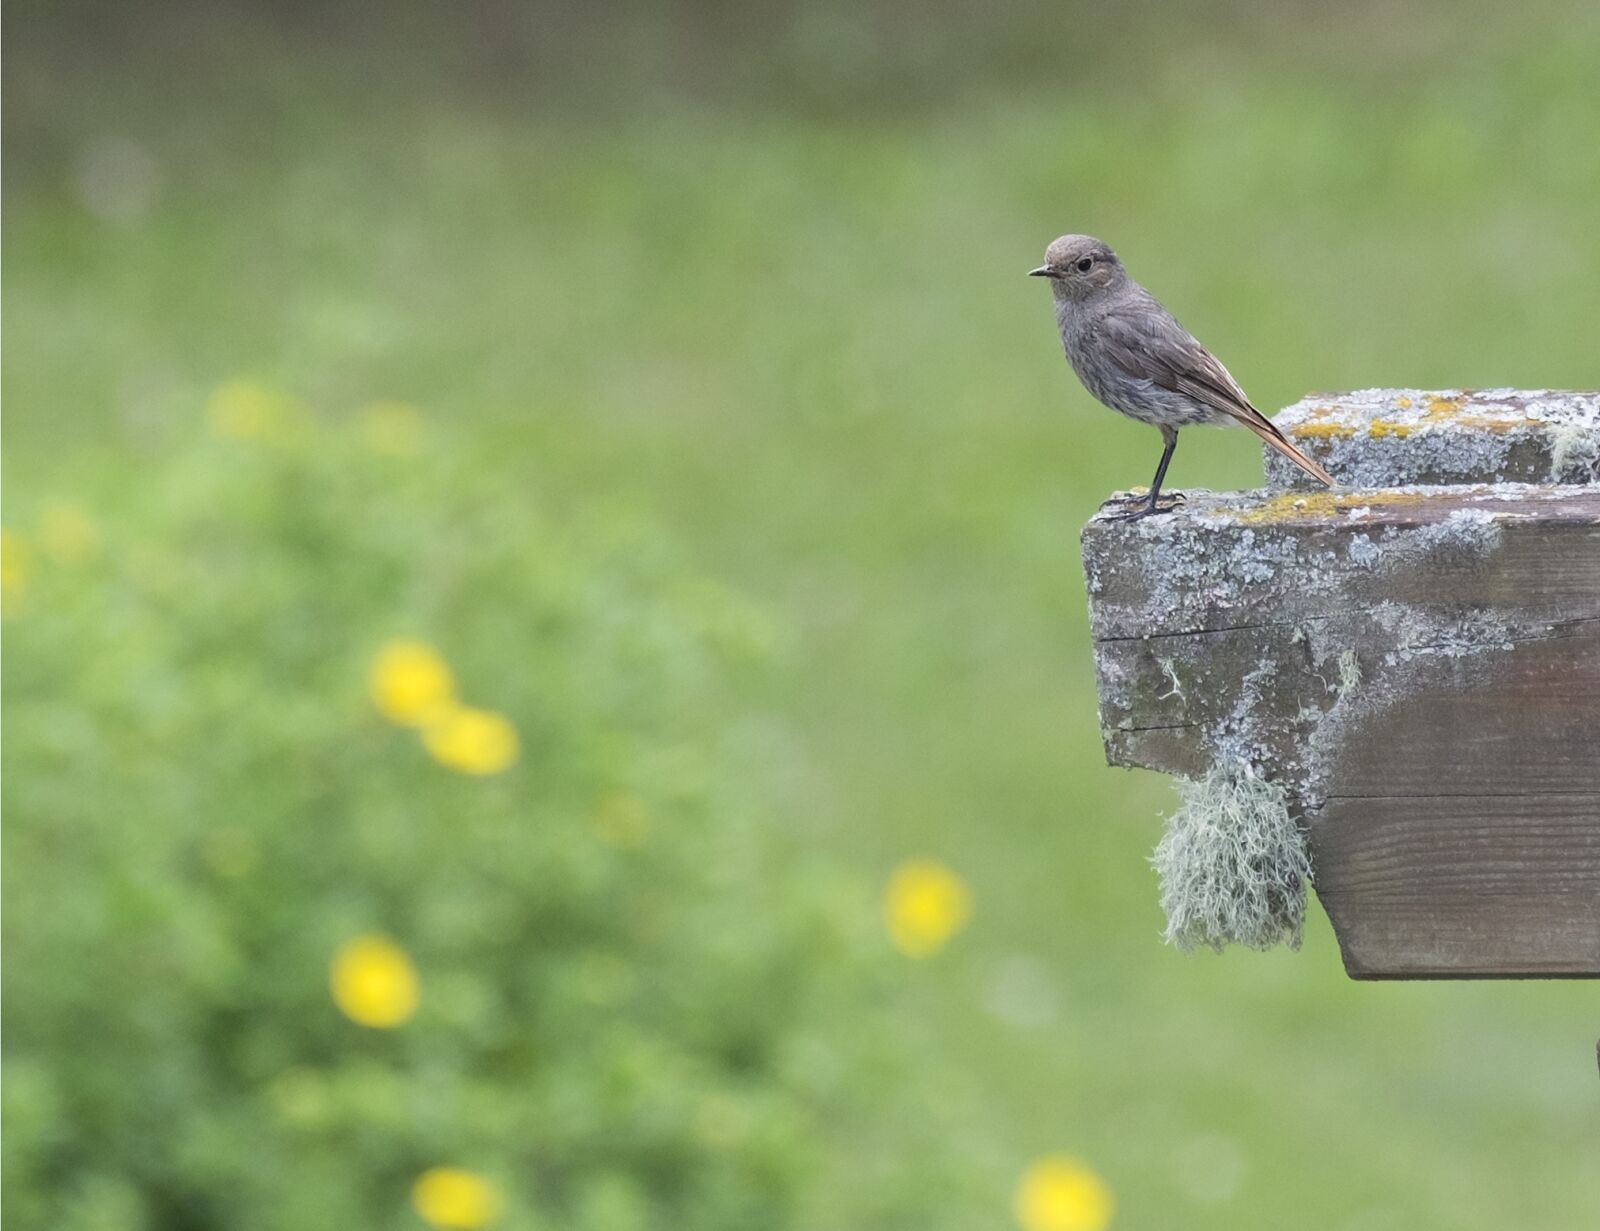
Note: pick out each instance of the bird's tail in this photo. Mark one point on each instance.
(1275, 439)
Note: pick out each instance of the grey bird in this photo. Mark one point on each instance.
(1132, 354)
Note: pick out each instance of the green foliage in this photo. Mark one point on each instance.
(619, 1020)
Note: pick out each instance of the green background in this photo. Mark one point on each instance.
(750, 484)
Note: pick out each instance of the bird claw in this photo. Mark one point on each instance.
(1141, 495)
(1142, 506)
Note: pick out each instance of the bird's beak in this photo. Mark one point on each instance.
(1042, 272)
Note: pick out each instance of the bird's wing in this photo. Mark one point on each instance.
(1145, 341)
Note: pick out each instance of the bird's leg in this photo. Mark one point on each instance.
(1152, 503)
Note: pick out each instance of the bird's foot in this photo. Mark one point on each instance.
(1141, 495)
(1134, 507)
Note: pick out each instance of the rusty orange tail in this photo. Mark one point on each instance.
(1264, 428)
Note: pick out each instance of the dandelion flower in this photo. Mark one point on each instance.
(1060, 1193)
(471, 741)
(411, 684)
(68, 534)
(456, 1199)
(374, 982)
(924, 905)
(394, 428)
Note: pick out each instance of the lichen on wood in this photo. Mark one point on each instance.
(1359, 651)
(1395, 437)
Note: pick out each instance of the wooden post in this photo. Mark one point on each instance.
(1418, 666)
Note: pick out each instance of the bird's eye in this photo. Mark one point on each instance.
(1084, 263)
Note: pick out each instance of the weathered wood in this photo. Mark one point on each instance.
(1492, 866)
(1418, 666)
(1238, 607)
(1388, 437)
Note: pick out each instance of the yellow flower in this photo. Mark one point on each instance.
(622, 820)
(456, 1199)
(247, 411)
(1059, 1193)
(924, 905)
(68, 534)
(394, 428)
(411, 683)
(471, 741)
(16, 567)
(374, 982)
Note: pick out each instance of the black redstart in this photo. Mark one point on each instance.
(1133, 355)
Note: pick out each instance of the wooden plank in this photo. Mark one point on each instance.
(1461, 833)
(1225, 630)
(1420, 668)
(1525, 724)
(1460, 886)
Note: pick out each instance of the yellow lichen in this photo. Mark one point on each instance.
(1297, 506)
(1402, 402)
(1321, 431)
(1440, 408)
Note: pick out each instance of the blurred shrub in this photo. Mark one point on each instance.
(599, 992)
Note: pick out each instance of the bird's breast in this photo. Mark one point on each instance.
(1134, 396)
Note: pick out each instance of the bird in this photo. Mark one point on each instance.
(1134, 356)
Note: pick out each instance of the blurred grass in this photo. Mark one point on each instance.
(799, 339)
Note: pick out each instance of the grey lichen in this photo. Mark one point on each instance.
(1384, 437)
(1186, 566)
(1575, 452)
(1363, 551)
(1349, 672)
(1464, 536)
(1233, 864)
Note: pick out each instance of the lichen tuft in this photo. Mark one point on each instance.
(1233, 864)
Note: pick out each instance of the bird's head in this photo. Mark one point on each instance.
(1080, 266)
